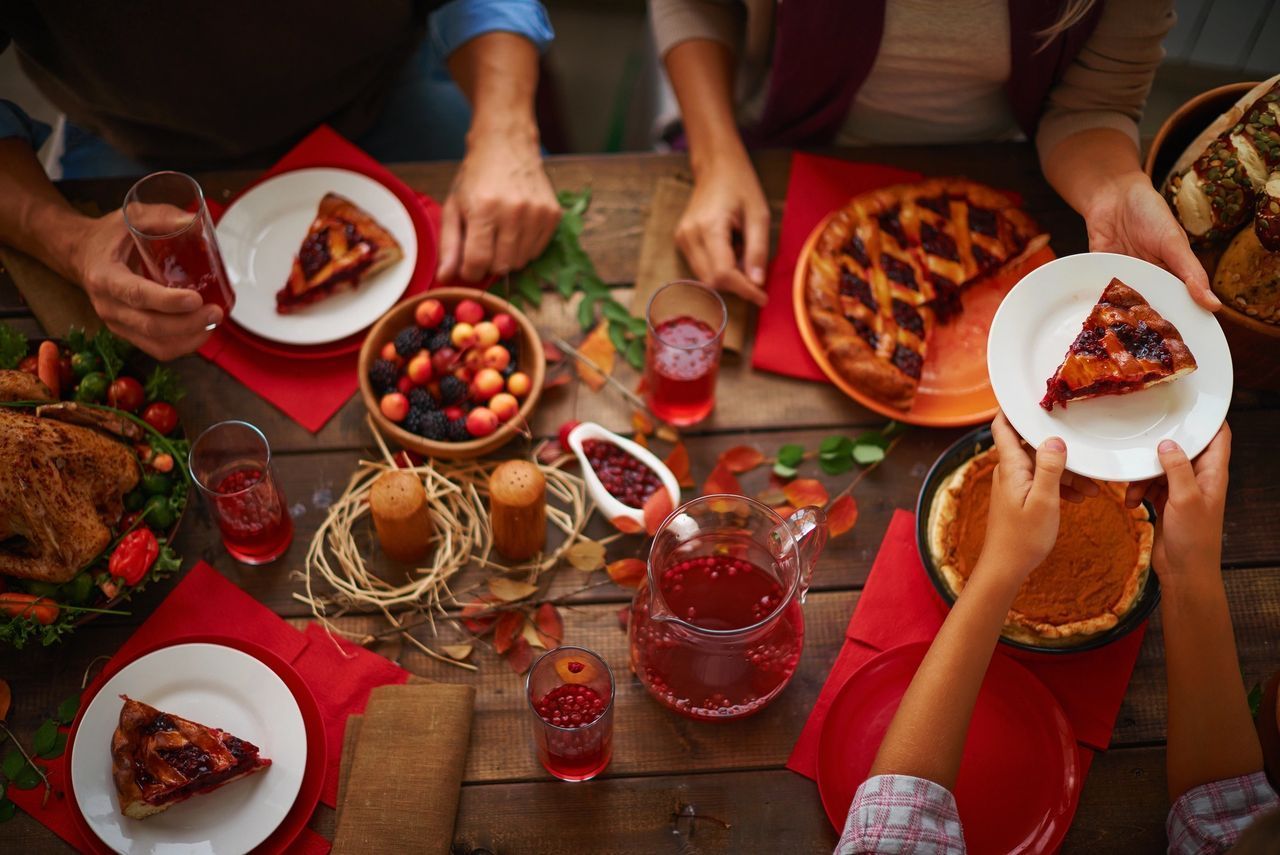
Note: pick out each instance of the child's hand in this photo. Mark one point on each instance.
(1189, 504)
(1022, 524)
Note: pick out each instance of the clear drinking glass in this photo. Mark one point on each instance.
(686, 334)
(171, 226)
(570, 692)
(231, 464)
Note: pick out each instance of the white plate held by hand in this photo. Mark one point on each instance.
(1114, 437)
(263, 230)
(218, 687)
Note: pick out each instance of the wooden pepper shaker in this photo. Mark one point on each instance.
(398, 503)
(518, 509)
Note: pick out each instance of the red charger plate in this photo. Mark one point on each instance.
(304, 805)
(1020, 775)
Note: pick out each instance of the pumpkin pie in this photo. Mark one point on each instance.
(1093, 576)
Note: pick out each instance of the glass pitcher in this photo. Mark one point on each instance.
(716, 629)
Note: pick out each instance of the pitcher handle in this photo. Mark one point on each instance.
(809, 528)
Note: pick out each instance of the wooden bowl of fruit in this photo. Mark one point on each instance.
(454, 373)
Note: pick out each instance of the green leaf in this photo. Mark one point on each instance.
(638, 326)
(113, 351)
(618, 335)
(566, 278)
(27, 779)
(12, 763)
(58, 747)
(784, 471)
(164, 385)
(13, 347)
(791, 455)
(1255, 699)
(616, 312)
(45, 735)
(892, 429)
(77, 340)
(587, 312)
(866, 453)
(527, 285)
(593, 284)
(635, 353)
(7, 810)
(835, 465)
(67, 709)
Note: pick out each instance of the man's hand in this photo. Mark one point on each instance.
(501, 210)
(726, 199)
(1128, 216)
(164, 322)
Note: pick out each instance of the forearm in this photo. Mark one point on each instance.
(34, 217)
(920, 742)
(1211, 736)
(1088, 161)
(701, 72)
(498, 72)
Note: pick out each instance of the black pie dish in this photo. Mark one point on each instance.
(969, 445)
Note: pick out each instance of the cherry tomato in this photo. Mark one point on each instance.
(38, 609)
(161, 416)
(125, 393)
(134, 555)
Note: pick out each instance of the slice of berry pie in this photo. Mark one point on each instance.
(159, 759)
(1125, 346)
(342, 249)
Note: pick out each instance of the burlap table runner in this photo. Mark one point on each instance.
(661, 262)
(401, 772)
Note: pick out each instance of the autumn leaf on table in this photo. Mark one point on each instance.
(549, 626)
(456, 651)
(772, 496)
(552, 353)
(656, 509)
(740, 458)
(510, 590)
(640, 422)
(628, 572)
(842, 515)
(529, 633)
(586, 555)
(678, 462)
(805, 491)
(508, 629)
(627, 525)
(721, 480)
(520, 656)
(481, 624)
(597, 347)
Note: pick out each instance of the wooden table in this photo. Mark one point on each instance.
(675, 785)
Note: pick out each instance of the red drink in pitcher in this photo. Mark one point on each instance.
(571, 692)
(686, 323)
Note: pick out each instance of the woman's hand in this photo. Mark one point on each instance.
(1189, 503)
(727, 199)
(165, 322)
(1128, 216)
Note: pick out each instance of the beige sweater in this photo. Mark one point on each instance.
(1105, 87)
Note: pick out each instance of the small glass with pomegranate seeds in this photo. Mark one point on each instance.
(571, 691)
(231, 464)
(686, 323)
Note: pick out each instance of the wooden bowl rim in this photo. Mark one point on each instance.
(378, 335)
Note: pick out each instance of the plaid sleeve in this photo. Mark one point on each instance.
(902, 814)
(1209, 819)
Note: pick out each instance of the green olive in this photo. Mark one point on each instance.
(93, 388)
(156, 484)
(158, 513)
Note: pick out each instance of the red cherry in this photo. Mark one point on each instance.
(481, 422)
(429, 313)
(404, 384)
(442, 360)
(468, 312)
(394, 406)
(506, 324)
(453, 413)
(565, 430)
(419, 370)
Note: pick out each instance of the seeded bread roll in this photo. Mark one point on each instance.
(398, 503)
(1266, 222)
(1248, 278)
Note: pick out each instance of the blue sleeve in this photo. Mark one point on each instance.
(459, 21)
(14, 122)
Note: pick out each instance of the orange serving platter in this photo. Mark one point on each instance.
(954, 388)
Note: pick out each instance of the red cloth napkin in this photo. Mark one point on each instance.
(311, 392)
(339, 674)
(899, 605)
(818, 186)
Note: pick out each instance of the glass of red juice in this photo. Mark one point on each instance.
(682, 357)
(231, 464)
(570, 691)
(171, 226)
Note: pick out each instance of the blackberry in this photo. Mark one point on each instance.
(458, 430)
(421, 399)
(435, 425)
(452, 389)
(436, 339)
(415, 421)
(447, 322)
(408, 341)
(509, 370)
(383, 376)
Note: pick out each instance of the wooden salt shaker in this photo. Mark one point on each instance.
(398, 503)
(518, 509)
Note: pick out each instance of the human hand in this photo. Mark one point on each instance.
(165, 322)
(1190, 501)
(727, 198)
(1022, 522)
(1128, 216)
(501, 210)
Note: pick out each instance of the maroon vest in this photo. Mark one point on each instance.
(824, 50)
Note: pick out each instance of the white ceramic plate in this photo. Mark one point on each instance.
(1112, 438)
(217, 686)
(262, 231)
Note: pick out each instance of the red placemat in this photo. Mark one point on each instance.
(899, 606)
(339, 674)
(311, 396)
(818, 186)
